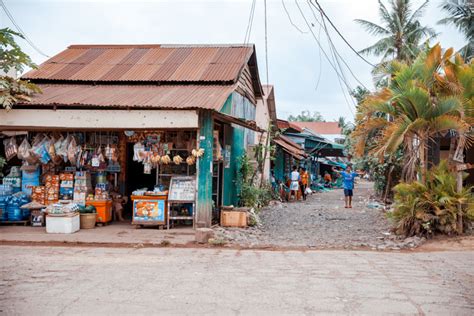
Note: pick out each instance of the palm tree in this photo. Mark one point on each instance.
(461, 16)
(401, 32)
(430, 96)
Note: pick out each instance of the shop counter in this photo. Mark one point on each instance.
(149, 209)
(104, 210)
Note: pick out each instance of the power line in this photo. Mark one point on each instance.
(248, 31)
(266, 38)
(26, 38)
(337, 31)
(340, 78)
(291, 21)
(331, 43)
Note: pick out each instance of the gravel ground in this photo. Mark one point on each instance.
(322, 222)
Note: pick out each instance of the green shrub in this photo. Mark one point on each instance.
(432, 207)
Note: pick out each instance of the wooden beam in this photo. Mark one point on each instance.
(97, 119)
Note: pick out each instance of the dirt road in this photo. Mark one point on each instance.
(98, 281)
(322, 222)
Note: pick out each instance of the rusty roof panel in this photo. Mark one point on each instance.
(133, 96)
(170, 63)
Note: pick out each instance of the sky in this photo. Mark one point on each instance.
(303, 78)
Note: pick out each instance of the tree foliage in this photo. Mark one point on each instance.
(306, 116)
(461, 15)
(400, 33)
(12, 58)
(430, 96)
(434, 206)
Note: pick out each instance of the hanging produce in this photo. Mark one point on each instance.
(197, 152)
(177, 159)
(165, 159)
(191, 160)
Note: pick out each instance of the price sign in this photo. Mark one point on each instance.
(182, 189)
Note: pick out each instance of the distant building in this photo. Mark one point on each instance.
(329, 130)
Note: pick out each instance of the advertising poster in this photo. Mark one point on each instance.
(149, 211)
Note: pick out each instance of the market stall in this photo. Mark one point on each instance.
(92, 169)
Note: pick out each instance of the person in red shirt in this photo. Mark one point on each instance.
(304, 176)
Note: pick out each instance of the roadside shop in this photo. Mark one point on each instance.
(160, 141)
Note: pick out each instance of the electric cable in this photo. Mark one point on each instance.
(19, 29)
(340, 34)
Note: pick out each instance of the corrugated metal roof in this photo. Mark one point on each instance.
(133, 96)
(290, 147)
(155, 63)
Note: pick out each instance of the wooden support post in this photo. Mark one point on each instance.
(204, 176)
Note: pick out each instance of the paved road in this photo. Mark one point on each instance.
(62, 281)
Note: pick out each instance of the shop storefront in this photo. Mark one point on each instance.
(167, 154)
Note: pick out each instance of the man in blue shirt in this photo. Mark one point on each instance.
(348, 178)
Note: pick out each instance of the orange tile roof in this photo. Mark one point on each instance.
(325, 128)
(133, 96)
(145, 63)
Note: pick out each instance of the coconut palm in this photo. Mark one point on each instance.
(461, 16)
(401, 31)
(423, 99)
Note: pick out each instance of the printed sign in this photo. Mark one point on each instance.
(149, 211)
(182, 189)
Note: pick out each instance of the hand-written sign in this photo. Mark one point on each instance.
(182, 189)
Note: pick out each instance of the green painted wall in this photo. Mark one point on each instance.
(279, 163)
(204, 194)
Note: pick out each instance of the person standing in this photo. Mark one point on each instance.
(304, 182)
(348, 178)
(294, 184)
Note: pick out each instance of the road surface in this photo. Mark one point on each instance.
(99, 281)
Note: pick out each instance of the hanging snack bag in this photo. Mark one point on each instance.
(58, 158)
(137, 149)
(95, 161)
(11, 148)
(62, 150)
(24, 149)
(40, 150)
(72, 151)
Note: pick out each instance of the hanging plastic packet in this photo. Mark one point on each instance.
(71, 151)
(147, 166)
(40, 150)
(23, 149)
(137, 149)
(58, 158)
(95, 161)
(108, 152)
(11, 148)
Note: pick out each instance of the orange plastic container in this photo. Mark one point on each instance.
(104, 210)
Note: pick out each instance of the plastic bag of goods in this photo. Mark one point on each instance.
(11, 148)
(41, 150)
(72, 151)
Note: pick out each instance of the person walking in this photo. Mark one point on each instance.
(348, 178)
(304, 176)
(294, 184)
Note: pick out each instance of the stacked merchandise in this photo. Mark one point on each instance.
(5, 192)
(14, 179)
(38, 194)
(52, 189)
(29, 179)
(66, 188)
(82, 186)
(13, 207)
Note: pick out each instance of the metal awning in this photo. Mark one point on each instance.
(328, 150)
